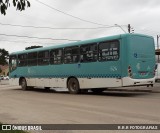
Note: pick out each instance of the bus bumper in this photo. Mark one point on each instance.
(126, 81)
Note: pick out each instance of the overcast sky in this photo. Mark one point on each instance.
(93, 15)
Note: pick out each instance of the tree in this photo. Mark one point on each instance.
(19, 4)
(3, 57)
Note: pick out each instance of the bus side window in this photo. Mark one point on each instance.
(109, 51)
(43, 58)
(22, 60)
(75, 54)
(88, 53)
(71, 55)
(12, 63)
(32, 59)
(67, 55)
(56, 56)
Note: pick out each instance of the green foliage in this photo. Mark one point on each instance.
(3, 57)
(19, 4)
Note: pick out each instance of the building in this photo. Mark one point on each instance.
(4, 70)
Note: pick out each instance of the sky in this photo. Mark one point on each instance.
(54, 22)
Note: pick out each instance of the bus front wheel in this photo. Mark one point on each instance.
(73, 86)
(24, 84)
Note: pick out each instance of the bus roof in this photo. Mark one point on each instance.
(78, 43)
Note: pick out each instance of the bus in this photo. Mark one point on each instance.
(108, 62)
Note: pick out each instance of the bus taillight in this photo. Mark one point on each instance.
(129, 71)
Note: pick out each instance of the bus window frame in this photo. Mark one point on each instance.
(25, 60)
(11, 68)
(118, 51)
(32, 59)
(94, 53)
(42, 61)
(77, 58)
(56, 58)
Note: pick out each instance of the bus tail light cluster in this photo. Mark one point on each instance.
(129, 71)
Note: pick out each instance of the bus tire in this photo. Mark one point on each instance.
(98, 90)
(24, 84)
(73, 86)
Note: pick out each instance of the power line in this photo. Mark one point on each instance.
(25, 42)
(40, 27)
(69, 14)
(35, 37)
(120, 26)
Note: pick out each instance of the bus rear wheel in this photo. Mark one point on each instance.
(73, 86)
(24, 84)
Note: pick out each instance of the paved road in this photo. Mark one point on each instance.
(37, 106)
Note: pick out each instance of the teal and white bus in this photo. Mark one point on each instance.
(115, 61)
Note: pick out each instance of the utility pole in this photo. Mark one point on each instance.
(158, 41)
(158, 36)
(129, 28)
